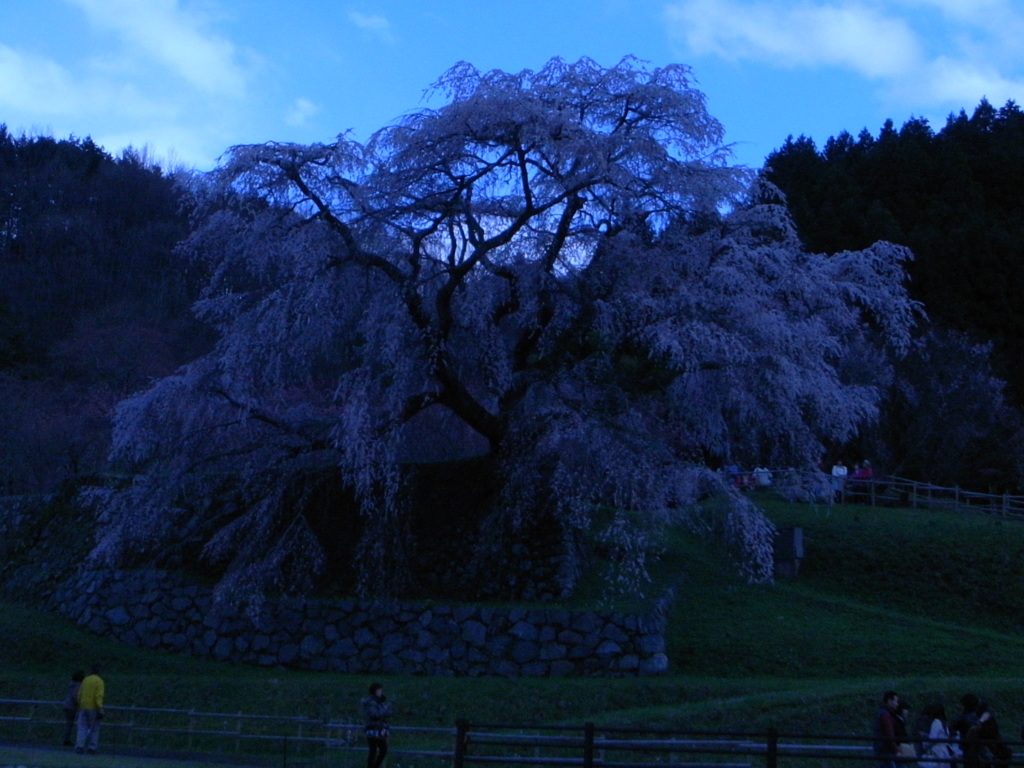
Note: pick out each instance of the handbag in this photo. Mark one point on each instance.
(939, 756)
(907, 750)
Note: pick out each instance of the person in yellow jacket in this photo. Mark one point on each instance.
(90, 712)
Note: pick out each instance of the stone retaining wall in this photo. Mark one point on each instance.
(157, 609)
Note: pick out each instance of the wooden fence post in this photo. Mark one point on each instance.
(461, 741)
(772, 750)
(588, 745)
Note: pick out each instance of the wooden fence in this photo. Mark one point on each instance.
(291, 742)
(257, 739)
(901, 492)
(605, 747)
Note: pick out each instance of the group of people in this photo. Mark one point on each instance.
(970, 741)
(843, 479)
(760, 477)
(83, 710)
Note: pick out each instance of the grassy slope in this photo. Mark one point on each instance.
(923, 602)
(928, 603)
(881, 593)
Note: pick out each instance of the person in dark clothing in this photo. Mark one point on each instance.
(378, 711)
(968, 717)
(904, 741)
(966, 720)
(982, 744)
(70, 706)
(886, 742)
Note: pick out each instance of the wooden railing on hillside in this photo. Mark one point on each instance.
(901, 492)
(883, 491)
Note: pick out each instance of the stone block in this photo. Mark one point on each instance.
(534, 669)
(524, 630)
(552, 651)
(649, 644)
(474, 633)
(524, 651)
(562, 668)
(654, 665)
(607, 649)
(288, 654)
(311, 646)
(222, 650)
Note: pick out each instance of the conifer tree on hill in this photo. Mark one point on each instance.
(953, 197)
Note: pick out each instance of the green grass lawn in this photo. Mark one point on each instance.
(931, 604)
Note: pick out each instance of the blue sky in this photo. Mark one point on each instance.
(186, 79)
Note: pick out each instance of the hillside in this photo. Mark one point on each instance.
(885, 592)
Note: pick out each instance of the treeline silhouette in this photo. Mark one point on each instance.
(952, 196)
(93, 301)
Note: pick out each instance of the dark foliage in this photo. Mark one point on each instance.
(953, 197)
(93, 303)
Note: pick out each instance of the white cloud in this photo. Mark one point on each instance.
(169, 144)
(928, 53)
(796, 34)
(379, 26)
(946, 80)
(973, 11)
(36, 84)
(145, 74)
(301, 112)
(42, 89)
(163, 32)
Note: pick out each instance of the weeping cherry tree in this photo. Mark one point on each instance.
(558, 270)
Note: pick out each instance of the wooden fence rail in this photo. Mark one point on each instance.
(901, 492)
(592, 747)
(269, 740)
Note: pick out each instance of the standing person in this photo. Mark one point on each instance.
(983, 746)
(90, 712)
(70, 706)
(886, 741)
(377, 710)
(762, 477)
(838, 479)
(862, 473)
(904, 743)
(966, 720)
(936, 749)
